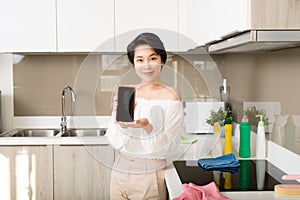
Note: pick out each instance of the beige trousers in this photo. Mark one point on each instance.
(138, 179)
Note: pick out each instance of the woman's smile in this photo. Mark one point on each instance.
(148, 73)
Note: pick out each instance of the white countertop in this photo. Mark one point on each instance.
(53, 122)
(285, 160)
(174, 186)
(57, 140)
(280, 157)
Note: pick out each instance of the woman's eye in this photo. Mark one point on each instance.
(139, 60)
(153, 58)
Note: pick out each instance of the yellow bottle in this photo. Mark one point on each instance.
(228, 138)
(228, 150)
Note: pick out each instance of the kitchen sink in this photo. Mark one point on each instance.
(35, 133)
(88, 132)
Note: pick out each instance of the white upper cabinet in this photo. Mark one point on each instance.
(85, 26)
(27, 26)
(136, 16)
(202, 21)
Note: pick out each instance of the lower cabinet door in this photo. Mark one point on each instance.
(82, 172)
(26, 172)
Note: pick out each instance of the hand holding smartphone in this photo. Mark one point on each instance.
(126, 103)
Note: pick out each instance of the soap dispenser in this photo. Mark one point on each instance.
(260, 139)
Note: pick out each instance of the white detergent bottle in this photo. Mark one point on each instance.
(260, 139)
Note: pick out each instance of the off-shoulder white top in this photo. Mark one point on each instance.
(166, 117)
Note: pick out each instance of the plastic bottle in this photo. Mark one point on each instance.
(260, 139)
(217, 151)
(228, 139)
(227, 150)
(289, 134)
(245, 129)
(218, 148)
(276, 133)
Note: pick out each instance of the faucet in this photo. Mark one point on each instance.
(63, 122)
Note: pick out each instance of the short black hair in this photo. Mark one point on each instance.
(152, 40)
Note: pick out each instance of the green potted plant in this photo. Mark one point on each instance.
(220, 116)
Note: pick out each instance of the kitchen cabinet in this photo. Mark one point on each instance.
(134, 16)
(28, 26)
(26, 172)
(203, 21)
(270, 14)
(267, 25)
(241, 15)
(82, 172)
(85, 26)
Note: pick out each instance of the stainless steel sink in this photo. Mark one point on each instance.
(36, 133)
(88, 132)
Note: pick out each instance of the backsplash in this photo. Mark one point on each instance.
(269, 82)
(39, 80)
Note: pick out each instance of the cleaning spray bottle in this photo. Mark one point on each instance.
(245, 129)
(260, 139)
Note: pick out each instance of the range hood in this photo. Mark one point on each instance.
(256, 40)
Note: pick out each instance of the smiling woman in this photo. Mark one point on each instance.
(145, 144)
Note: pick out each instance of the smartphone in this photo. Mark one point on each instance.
(126, 103)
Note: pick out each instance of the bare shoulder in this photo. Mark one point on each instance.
(172, 93)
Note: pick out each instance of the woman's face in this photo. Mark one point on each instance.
(147, 64)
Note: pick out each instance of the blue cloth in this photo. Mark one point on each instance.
(225, 163)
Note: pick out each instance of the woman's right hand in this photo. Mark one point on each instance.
(139, 123)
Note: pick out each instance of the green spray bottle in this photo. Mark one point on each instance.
(245, 130)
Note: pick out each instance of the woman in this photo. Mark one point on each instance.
(145, 144)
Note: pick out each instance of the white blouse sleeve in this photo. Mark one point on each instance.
(167, 128)
(114, 133)
(167, 123)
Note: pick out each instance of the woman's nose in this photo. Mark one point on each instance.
(146, 64)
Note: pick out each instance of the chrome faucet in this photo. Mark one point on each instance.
(63, 122)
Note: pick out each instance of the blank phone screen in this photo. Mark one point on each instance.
(126, 101)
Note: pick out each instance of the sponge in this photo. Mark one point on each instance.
(287, 189)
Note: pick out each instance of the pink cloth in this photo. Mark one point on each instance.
(206, 192)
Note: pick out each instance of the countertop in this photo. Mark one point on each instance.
(174, 186)
(56, 140)
(277, 155)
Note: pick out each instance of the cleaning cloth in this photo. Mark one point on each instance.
(225, 163)
(206, 192)
(184, 139)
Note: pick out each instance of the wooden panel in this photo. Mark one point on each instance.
(269, 14)
(26, 172)
(80, 172)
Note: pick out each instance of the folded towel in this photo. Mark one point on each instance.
(225, 163)
(206, 192)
